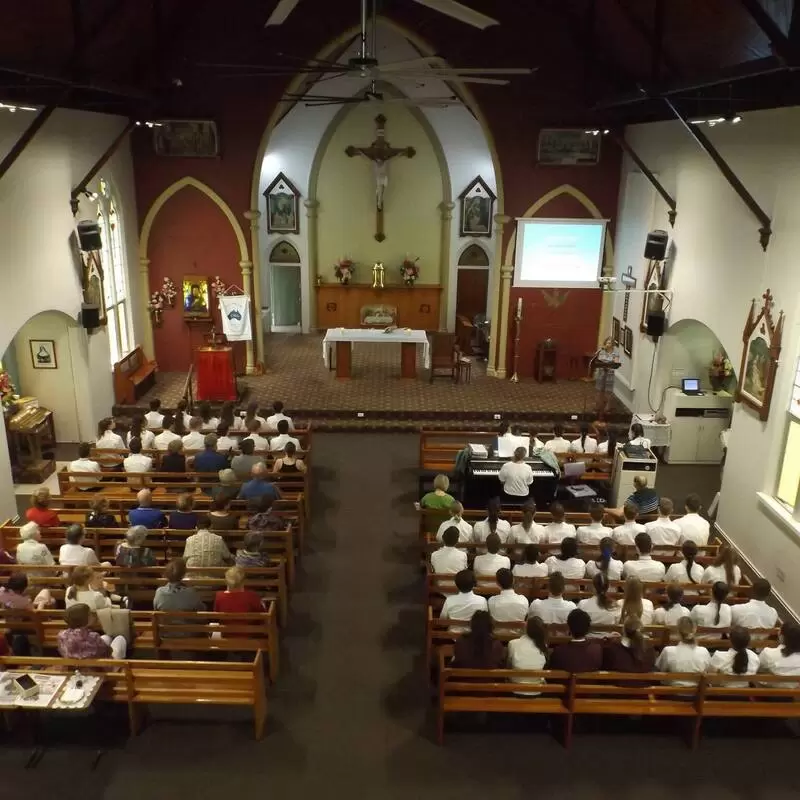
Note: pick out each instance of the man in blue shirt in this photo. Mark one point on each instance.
(259, 486)
(209, 461)
(144, 514)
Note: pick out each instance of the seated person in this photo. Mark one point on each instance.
(139, 431)
(567, 562)
(784, 659)
(289, 462)
(14, 595)
(260, 443)
(226, 444)
(106, 438)
(693, 527)
(182, 418)
(174, 461)
(79, 642)
(584, 443)
(637, 437)
(438, 498)
(687, 571)
(261, 516)
(131, 551)
(99, 516)
(144, 514)
(278, 442)
(194, 439)
(644, 567)
(31, 550)
(530, 567)
(203, 410)
(84, 587)
(206, 549)
(154, 418)
(516, 476)
(492, 524)
(535, 442)
(672, 611)
(209, 461)
(251, 553)
(529, 652)
(644, 498)
(663, 531)
(465, 533)
(609, 566)
(602, 610)
(449, 559)
(553, 609)
(631, 652)
(85, 464)
(73, 553)
(228, 488)
(609, 446)
(40, 512)
(756, 613)
(276, 417)
(235, 599)
(460, 607)
(176, 595)
(527, 531)
(724, 568)
(716, 613)
(558, 444)
(259, 485)
(508, 605)
(625, 533)
(686, 656)
(184, 518)
(252, 414)
(634, 603)
(558, 530)
(739, 659)
(243, 464)
(487, 564)
(167, 435)
(478, 649)
(581, 654)
(136, 462)
(220, 517)
(595, 530)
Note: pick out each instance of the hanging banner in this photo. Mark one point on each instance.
(235, 312)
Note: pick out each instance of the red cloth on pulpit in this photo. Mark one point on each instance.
(216, 379)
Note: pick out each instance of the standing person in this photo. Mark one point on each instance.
(437, 499)
(276, 416)
(686, 656)
(85, 464)
(288, 462)
(558, 444)
(492, 524)
(516, 477)
(40, 511)
(738, 660)
(106, 438)
(478, 649)
(603, 359)
(580, 654)
(584, 443)
(154, 417)
(593, 533)
(610, 567)
(527, 531)
(693, 527)
(139, 431)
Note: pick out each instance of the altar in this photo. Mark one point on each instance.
(340, 341)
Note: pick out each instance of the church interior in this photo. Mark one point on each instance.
(484, 283)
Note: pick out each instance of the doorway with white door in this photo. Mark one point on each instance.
(285, 289)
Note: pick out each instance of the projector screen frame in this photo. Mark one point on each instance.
(588, 221)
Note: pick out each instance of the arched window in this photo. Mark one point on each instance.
(115, 284)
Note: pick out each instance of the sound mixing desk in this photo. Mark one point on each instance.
(482, 483)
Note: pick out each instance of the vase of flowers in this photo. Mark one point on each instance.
(409, 271)
(218, 286)
(169, 292)
(720, 371)
(156, 308)
(344, 270)
(8, 392)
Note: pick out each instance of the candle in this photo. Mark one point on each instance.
(519, 308)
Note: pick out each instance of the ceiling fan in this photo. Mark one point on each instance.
(371, 95)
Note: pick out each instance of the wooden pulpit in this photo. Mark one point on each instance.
(216, 377)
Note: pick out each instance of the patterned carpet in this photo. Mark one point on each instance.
(296, 374)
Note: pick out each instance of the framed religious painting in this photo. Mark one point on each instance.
(186, 138)
(43, 353)
(761, 347)
(627, 344)
(615, 330)
(283, 201)
(195, 297)
(476, 204)
(653, 298)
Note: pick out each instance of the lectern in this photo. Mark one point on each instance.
(216, 379)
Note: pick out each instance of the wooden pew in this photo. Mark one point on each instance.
(134, 375)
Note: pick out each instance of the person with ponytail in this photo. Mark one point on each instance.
(634, 604)
(673, 610)
(609, 446)
(203, 411)
(584, 443)
(717, 613)
(687, 571)
(478, 649)
(251, 414)
(527, 531)
(530, 567)
(738, 660)
(492, 524)
(82, 589)
(631, 652)
(724, 568)
(600, 608)
(567, 561)
(106, 438)
(686, 656)
(529, 652)
(784, 659)
(609, 566)
(139, 431)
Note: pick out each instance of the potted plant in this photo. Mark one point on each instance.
(344, 270)
(720, 371)
(409, 271)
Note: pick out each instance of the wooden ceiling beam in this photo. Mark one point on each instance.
(781, 45)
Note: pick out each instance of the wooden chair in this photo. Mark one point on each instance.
(444, 355)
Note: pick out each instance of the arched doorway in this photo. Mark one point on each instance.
(285, 288)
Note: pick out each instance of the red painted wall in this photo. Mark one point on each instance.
(190, 236)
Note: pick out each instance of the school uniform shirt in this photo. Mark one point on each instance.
(154, 419)
(556, 532)
(602, 449)
(508, 606)
(240, 423)
(551, 610)
(211, 425)
(754, 614)
(161, 442)
(627, 532)
(464, 529)
(448, 561)
(593, 533)
(279, 442)
(226, 443)
(76, 555)
(640, 441)
(693, 528)
(194, 440)
(663, 531)
(110, 441)
(722, 662)
(704, 614)
(647, 610)
(147, 438)
(90, 597)
(714, 574)
(613, 573)
(529, 570)
(521, 535)
(677, 573)
(84, 465)
(487, 564)
(774, 662)
(524, 654)
(571, 568)
(516, 477)
(589, 445)
(274, 419)
(482, 530)
(683, 657)
(598, 614)
(645, 569)
(460, 607)
(136, 462)
(670, 616)
(557, 444)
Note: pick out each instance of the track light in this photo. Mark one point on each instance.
(12, 108)
(597, 131)
(149, 123)
(734, 119)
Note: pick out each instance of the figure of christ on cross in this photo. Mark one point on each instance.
(380, 152)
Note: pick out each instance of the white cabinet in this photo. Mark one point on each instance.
(697, 422)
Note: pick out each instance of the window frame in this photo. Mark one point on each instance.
(792, 419)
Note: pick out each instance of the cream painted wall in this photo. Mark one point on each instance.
(346, 194)
(718, 267)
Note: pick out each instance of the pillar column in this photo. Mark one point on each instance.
(500, 220)
(607, 306)
(312, 209)
(252, 216)
(146, 320)
(247, 273)
(506, 274)
(446, 210)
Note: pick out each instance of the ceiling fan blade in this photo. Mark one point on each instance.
(414, 63)
(281, 12)
(468, 79)
(486, 71)
(462, 13)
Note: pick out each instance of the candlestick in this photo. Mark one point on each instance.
(519, 308)
(517, 328)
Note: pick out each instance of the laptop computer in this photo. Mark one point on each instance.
(690, 386)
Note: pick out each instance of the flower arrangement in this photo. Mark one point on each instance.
(8, 392)
(156, 307)
(169, 291)
(218, 286)
(409, 271)
(720, 370)
(344, 270)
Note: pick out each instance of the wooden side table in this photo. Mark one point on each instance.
(546, 358)
(463, 369)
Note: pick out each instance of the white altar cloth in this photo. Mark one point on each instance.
(399, 336)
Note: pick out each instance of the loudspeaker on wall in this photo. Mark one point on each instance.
(656, 322)
(89, 236)
(655, 248)
(90, 316)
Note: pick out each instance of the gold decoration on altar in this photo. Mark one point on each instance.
(377, 275)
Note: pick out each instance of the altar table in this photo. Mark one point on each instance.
(408, 340)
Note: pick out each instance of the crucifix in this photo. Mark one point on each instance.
(380, 152)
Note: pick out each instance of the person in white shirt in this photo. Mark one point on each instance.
(136, 462)
(609, 566)
(595, 531)
(85, 464)
(626, 532)
(609, 446)
(182, 416)
(529, 652)
(225, 443)
(154, 417)
(195, 439)
(460, 607)
(139, 431)
(600, 608)
(724, 568)
(785, 659)
(567, 561)
(636, 437)
(279, 442)
(687, 571)
(464, 528)
(535, 442)
(31, 550)
(106, 438)
(530, 566)
(738, 660)
(756, 613)
(686, 656)
(553, 610)
(693, 527)
(73, 553)
(492, 524)
(508, 605)
(715, 614)
(260, 443)
(516, 477)
(634, 603)
(167, 435)
(486, 564)
(558, 444)
(527, 531)
(274, 418)
(210, 422)
(644, 567)
(673, 611)
(584, 443)
(251, 414)
(558, 530)
(449, 559)
(82, 589)
(663, 531)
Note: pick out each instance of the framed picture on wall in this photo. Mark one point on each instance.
(560, 146)
(195, 298)
(282, 206)
(186, 138)
(476, 204)
(627, 345)
(615, 329)
(43, 353)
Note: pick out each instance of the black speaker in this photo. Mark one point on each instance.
(656, 322)
(89, 236)
(655, 248)
(90, 316)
